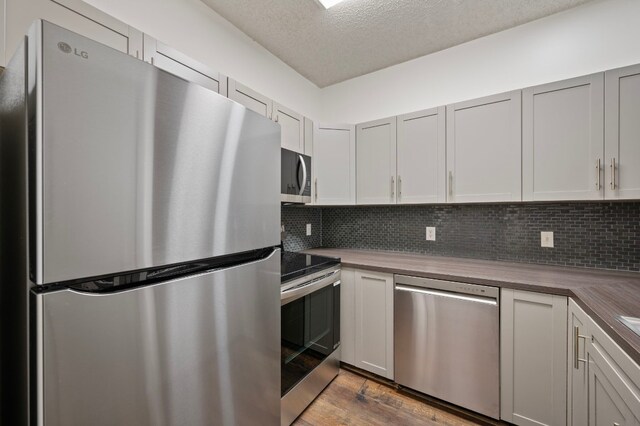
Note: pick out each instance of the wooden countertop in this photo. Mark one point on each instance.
(602, 294)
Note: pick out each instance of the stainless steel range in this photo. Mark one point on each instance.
(310, 331)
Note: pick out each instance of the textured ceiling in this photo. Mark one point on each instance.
(357, 37)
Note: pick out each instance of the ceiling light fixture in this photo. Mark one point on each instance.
(329, 3)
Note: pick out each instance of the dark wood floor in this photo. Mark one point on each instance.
(352, 399)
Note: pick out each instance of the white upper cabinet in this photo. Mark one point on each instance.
(175, 62)
(250, 98)
(74, 15)
(622, 133)
(308, 136)
(376, 162)
(292, 128)
(484, 149)
(563, 140)
(334, 165)
(421, 157)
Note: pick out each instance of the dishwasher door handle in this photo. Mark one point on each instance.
(485, 300)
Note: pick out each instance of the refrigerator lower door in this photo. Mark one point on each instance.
(199, 350)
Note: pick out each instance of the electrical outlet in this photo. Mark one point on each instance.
(431, 233)
(308, 229)
(546, 239)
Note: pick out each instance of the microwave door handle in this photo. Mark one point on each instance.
(304, 175)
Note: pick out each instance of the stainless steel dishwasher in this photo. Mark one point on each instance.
(447, 341)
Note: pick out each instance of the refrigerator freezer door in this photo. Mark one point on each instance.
(138, 168)
(200, 350)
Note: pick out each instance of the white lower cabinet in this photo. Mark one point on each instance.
(374, 322)
(577, 378)
(348, 316)
(366, 322)
(533, 329)
(604, 383)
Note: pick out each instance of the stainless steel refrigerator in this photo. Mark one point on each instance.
(140, 279)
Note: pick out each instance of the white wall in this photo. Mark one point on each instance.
(196, 30)
(594, 37)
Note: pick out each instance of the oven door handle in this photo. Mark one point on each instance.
(297, 292)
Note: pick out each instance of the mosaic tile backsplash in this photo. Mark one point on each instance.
(595, 235)
(295, 220)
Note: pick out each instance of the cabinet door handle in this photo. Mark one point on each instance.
(613, 173)
(598, 174)
(450, 183)
(277, 117)
(393, 187)
(315, 183)
(399, 186)
(576, 348)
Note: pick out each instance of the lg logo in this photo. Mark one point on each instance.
(68, 49)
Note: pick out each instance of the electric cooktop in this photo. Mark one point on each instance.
(295, 265)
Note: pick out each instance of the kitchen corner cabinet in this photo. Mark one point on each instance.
(376, 162)
(74, 15)
(175, 62)
(622, 133)
(250, 98)
(334, 165)
(563, 146)
(421, 147)
(577, 377)
(292, 128)
(604, 382)
(533, 330)
(374, 322)
(484, 149)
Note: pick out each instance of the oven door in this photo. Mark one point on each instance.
(309, 328)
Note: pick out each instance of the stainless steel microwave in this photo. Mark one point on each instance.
(296, 177)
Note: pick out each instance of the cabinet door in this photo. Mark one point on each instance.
(606, 406)
(563, 144)
(250, 98)
(292, 127)
(533, 333)
(376, 162)
(421, 157)
(622, 133)
(175, 62)
(614, 381)
(334, 165)
(484, 149)
(374, 322)
(308, 136)
(348, 316)
(578, 379)
(74, 15)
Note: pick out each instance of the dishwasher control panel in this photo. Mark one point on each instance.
(451, 286)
